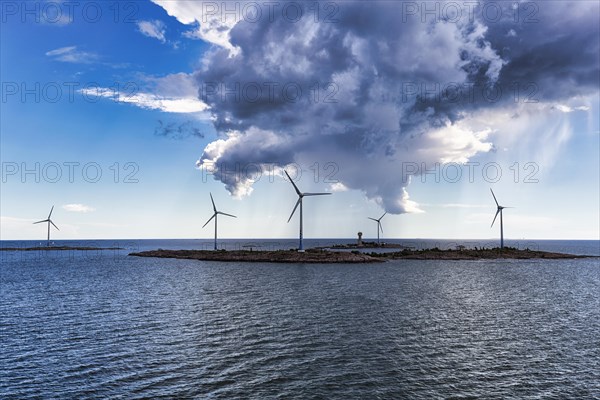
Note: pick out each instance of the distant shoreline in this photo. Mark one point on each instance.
(332, 257)
(61, 248)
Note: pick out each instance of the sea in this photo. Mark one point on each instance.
(102, 324)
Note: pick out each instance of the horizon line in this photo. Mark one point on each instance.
(295, 238)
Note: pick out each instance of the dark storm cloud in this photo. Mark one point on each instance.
(378, 86)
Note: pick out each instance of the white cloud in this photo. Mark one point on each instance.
(150, 101)
(455, 143)
(211, 21)
(72, 55)
(402, 203)
(338, 187)
(569, 109)
(155, 29)
(79, 208)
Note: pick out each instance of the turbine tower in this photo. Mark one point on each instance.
(299, 202)
(215, 217)
(378, 226)
(499, 211)
(49, 221)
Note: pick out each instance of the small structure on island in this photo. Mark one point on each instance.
(359, 242)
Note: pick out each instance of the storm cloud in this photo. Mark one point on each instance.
(371, 86)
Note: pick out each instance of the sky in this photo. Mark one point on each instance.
(124, 116)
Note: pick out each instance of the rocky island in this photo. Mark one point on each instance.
(276, 256)
(474, 254)
(322, 256)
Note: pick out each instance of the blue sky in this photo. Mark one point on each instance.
(133, 105)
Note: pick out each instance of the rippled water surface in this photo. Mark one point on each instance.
(102, 324)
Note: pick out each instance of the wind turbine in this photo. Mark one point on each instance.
(215, 217)
(378, 225)
(49, 221)
(299, 202)
(499, 211)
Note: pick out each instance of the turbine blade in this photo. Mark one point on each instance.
(295, 187)
(372, 219)
(495, 216)
(382, 215)
(380, 227)
(213, 203)
(39, 222)
(314, 194)
(52, 209)
(210, 219)
(54, 225)
(498, 205)
(294, 210)
(229, 215)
